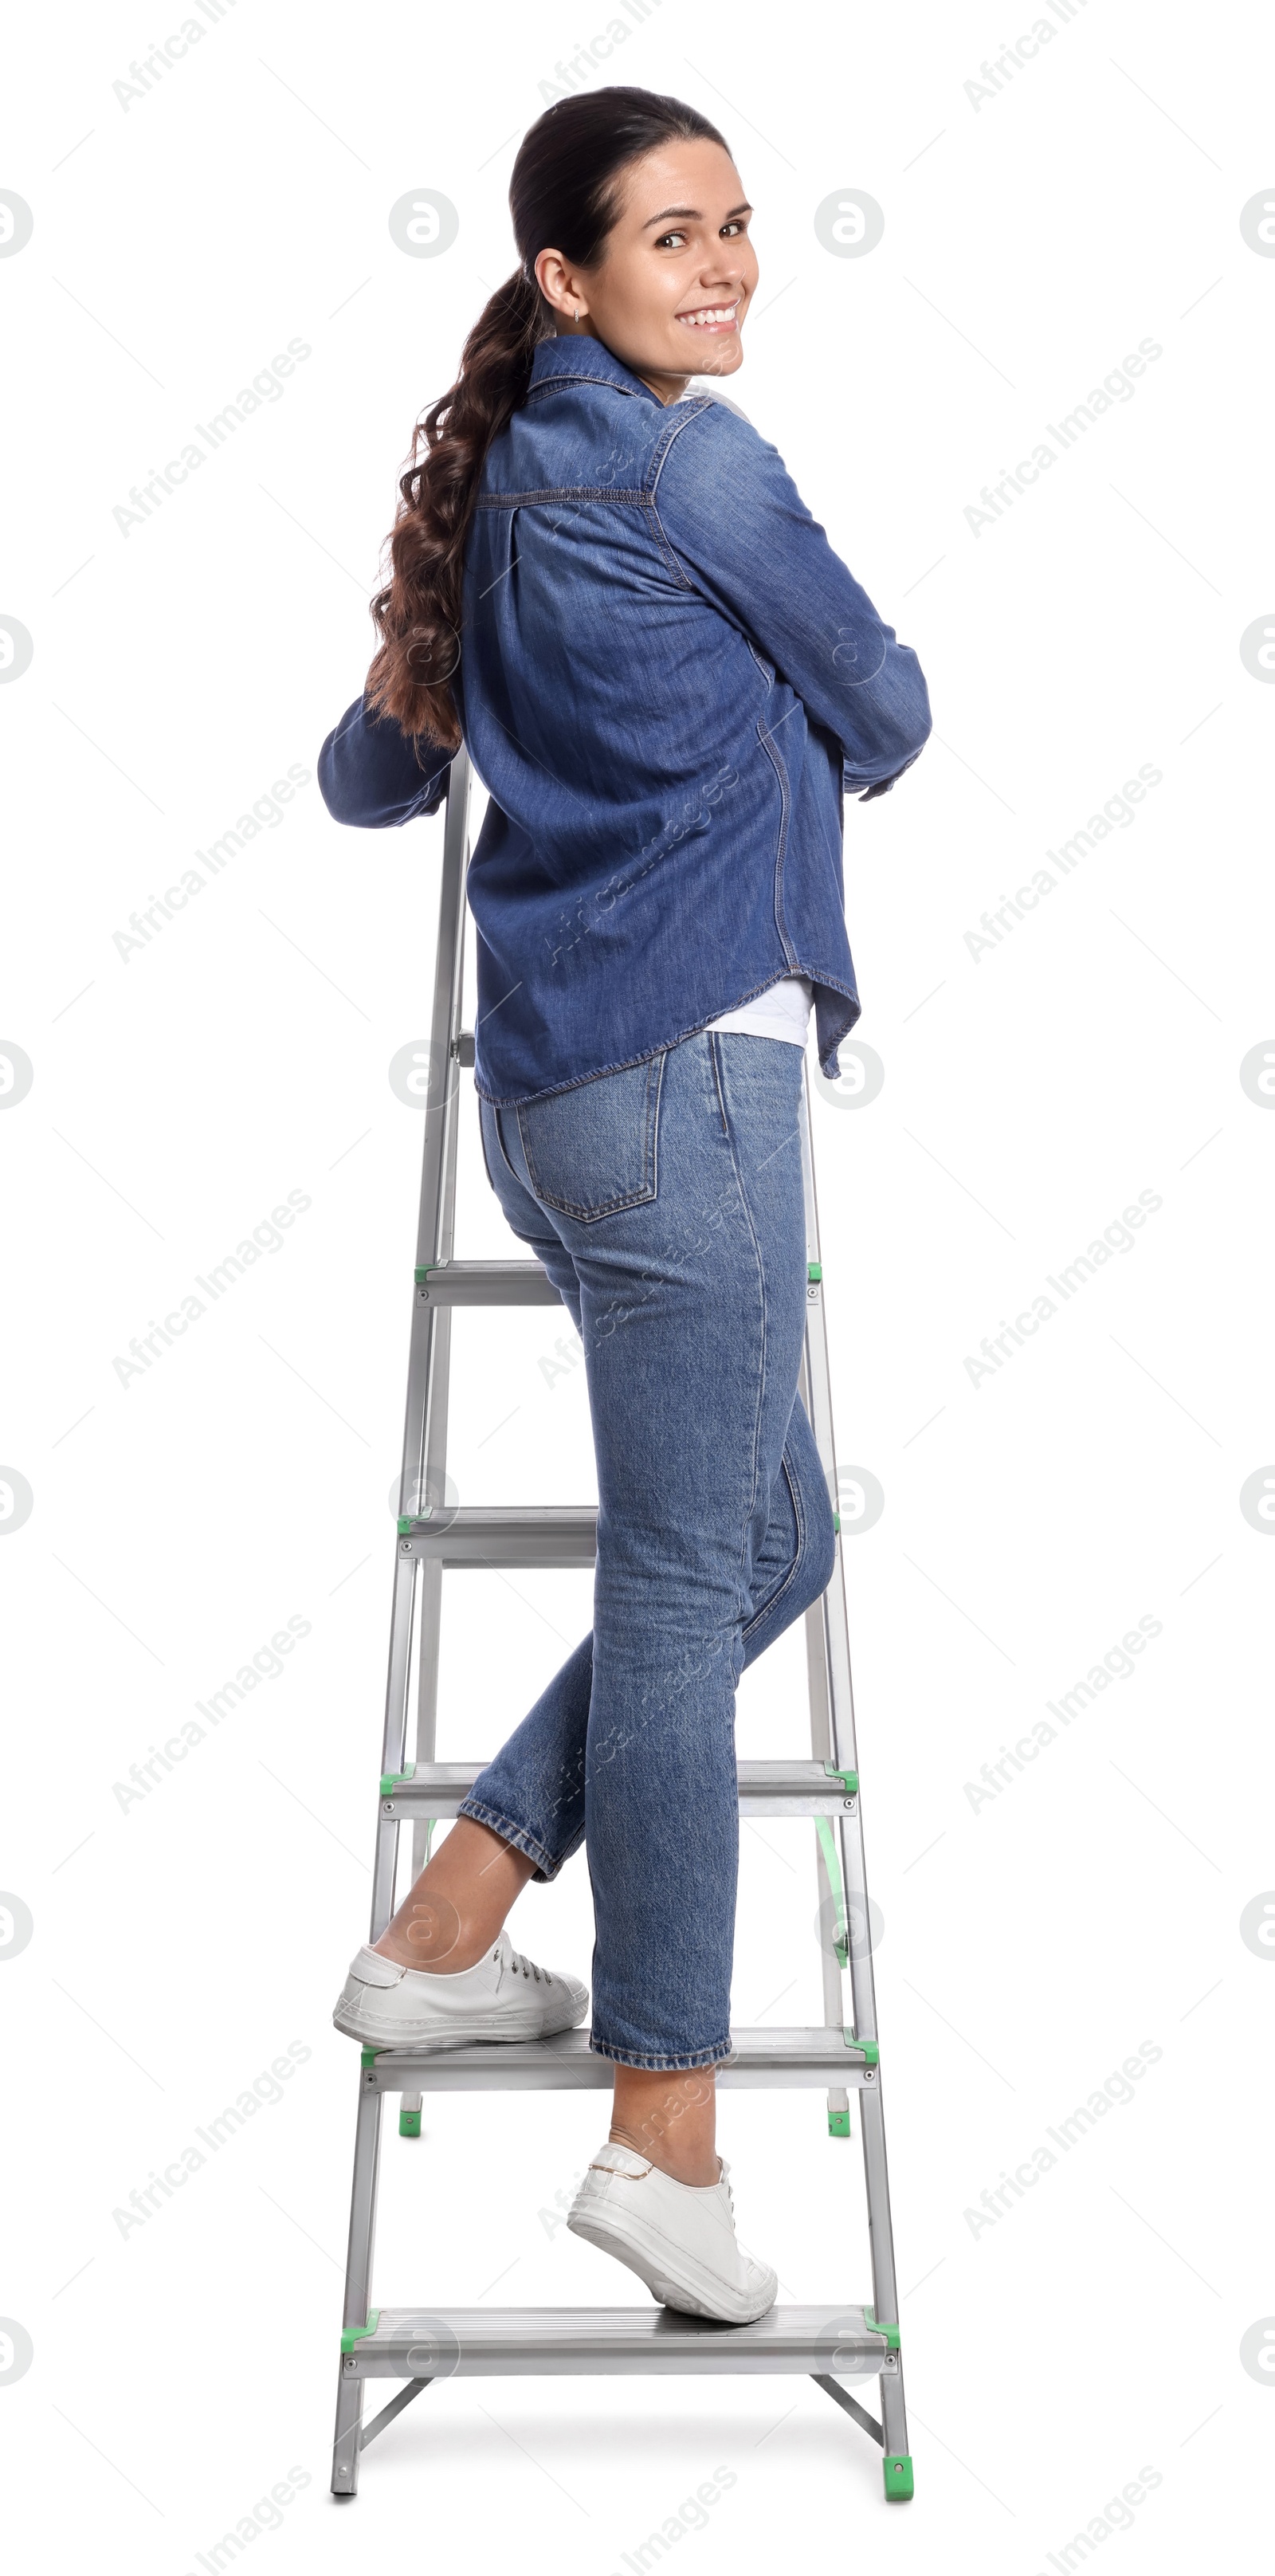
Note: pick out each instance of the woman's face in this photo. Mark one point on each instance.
(677, 274)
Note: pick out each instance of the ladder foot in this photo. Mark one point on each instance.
(897, 2471)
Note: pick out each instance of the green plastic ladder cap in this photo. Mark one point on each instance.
(814, 1270)
(891, 2334)
(392, 1780)
(404, 1524)
(849, 1779)
(409, 2124)
(836, 1523)
(351, 2334)
(367, 2057)
(869, 2049)
(838, 2124)
(898, 2477)
(421, 1277)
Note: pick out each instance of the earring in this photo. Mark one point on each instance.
(577, 312)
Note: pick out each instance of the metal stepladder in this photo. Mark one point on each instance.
(418, 2345)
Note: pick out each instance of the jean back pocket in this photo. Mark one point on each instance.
(593, 1150)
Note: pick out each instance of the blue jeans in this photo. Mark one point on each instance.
(665, 1202)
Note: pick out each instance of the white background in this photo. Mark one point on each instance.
(1031, 1942)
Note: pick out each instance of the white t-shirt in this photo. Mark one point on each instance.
(782, 1011)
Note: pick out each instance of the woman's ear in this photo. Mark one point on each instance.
(560, 286)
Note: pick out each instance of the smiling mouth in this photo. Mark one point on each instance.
(711, 317)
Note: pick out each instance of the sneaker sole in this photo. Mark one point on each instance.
(698, 2293)
(424, 2035)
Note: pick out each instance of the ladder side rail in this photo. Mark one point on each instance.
(358, 2288)
(445, 1026)
(394, 1736)
(428, 1358)
(885, 2288)
(438, 1158)
(438, 1164)
(833, 1612)
(818, 1381)
(451, 939)
(821, 1751)
(840, 1710)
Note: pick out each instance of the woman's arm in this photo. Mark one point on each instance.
(371, 772)
(737, 525)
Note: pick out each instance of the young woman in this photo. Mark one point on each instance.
(611, 592)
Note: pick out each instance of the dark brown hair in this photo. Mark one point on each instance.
(564, 196)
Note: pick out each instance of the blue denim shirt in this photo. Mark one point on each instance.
(668, 682)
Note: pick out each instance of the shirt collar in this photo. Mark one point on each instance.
(575, 354)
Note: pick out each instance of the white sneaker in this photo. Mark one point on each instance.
(504, 1996)
(678, 2237)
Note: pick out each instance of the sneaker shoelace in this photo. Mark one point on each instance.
(527, 1968)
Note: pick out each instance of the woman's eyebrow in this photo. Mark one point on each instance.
(693, 213)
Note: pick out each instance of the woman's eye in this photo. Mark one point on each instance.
(679, 237)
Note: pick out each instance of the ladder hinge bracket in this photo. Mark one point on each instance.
(350, 2334)
(873, 2325)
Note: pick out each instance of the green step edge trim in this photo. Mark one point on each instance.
(897, 2471)
(891, 2334)
(869, 2049)
(409, 2124)
(405, 1524)
(392, 1780)
(838, 2124)
(849, 1779)
(350, 2334)
(814, 1270)
(368, 2056)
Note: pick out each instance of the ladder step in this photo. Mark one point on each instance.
(488, 1283)
(480, 1534)
(497, 2343)
(765, 1789)
(813, 2060)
